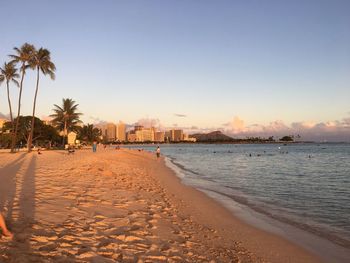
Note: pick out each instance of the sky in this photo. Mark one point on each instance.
(244, 67)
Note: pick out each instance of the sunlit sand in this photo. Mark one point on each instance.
(124, 206)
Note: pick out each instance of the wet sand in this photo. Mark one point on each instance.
(121, 206)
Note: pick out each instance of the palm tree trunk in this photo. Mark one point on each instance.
(14, 138)
(31, 131)
(64, 132)
(9, 101)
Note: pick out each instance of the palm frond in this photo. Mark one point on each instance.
(16, 82)
(23, 55)
(66, 114)
(43, 62)
(9, 72)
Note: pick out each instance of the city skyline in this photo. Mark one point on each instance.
(243, 68)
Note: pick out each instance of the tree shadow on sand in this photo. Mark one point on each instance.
(19, 249)
(8, 186)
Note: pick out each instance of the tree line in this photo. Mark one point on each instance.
(65, 119)
(27, 57)
(22, 129)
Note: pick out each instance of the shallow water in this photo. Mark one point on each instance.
(305, 185)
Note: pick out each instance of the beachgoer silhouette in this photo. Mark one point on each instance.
(158, 152)
(94, 146)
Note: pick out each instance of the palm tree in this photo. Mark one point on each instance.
(24, 56)
(66, 117)
(9, 74)
(89, 133)
(42, 62)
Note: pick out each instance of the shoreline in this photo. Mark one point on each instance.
(315, 242)
(242, 221)
(245, 223)
(310, 239)
(325, 249)
(125, 204)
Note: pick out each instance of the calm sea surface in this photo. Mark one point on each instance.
(305, 185)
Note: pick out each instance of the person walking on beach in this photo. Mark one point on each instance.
(4, 229)
(94, 146)
(158, 152)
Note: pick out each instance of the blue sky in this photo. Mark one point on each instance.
(213, 61)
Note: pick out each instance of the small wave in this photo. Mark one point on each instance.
(172, 160)
(222, 177)
(306, 227)
(179, 173)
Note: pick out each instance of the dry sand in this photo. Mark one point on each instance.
(120, 206)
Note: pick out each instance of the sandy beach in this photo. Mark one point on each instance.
(121, 206)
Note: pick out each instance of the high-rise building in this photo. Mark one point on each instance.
(148, 134)
(159, 136)
(145, 135)
(138, 136)
(131, 136)
(121, 132)
(110, 132)
(138, 127)
(176, 135)
(167, 136)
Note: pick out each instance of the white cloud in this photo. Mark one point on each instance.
(235, 126)
(331, 130)
(346, 122)
(149, 122)
(95, 120)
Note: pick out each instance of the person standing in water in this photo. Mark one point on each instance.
(158, 152)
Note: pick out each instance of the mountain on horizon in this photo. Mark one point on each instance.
(215, 136)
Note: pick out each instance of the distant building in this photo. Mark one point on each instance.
(72, 136)
(148, 134)
(121, 132)
(187, 138)
(2, 122)
(138, 136)
(131, 136)
(110, 132)
(167, 136)
(145, 135)
(142, 134)
(159, 136)
(138, 128)
(176, 135)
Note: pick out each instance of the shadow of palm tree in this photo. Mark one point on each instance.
(26, 208)
(20, 249)
(8, 186)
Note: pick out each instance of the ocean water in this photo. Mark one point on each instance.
(304, 185)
